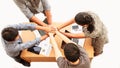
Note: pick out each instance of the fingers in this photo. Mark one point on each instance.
(50, 34)
(52, 29)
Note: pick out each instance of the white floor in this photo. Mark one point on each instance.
(63, 10)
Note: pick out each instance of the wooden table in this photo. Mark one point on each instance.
(32, 57)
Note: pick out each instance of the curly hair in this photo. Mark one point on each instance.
(83, 18)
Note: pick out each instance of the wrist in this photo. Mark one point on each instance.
(58, 28)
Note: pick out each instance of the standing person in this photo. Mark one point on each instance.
(74, 55)
(93, 28)
(12, 41)
(32, 7)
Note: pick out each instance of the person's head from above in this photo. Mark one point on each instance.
(84, 19)
(10, 34)
(71, 52)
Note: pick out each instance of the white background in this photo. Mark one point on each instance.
(63, 10)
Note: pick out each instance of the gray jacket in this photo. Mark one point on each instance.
(84, 60)
(31, 7)
(13, 48)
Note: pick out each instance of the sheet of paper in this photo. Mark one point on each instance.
(46, 47)
(75, 28)
(45, 44)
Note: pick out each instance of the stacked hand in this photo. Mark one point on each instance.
(49, 28)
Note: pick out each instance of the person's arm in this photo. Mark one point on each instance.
(63, 37)
(67, 40)
(27, 12)
(31, 26)
(29, 44)
(47, 10)
(55, 46)
(23, 26)
(66, 24)
(43, 37)
(45, 28)
(37, 21)
(48, 16)
(74, 35)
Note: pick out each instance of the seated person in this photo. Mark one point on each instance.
(92, 27)
(75, 55)
(12, 41)
(32, 7)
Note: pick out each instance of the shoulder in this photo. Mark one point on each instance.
(62, 62)
(60, 58)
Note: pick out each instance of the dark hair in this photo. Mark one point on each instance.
(71, 52)
(9, 33)
(84, 18)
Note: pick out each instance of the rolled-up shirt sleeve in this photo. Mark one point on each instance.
(24, 8)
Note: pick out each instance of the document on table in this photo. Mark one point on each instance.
(75, 28)
(45, 45)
